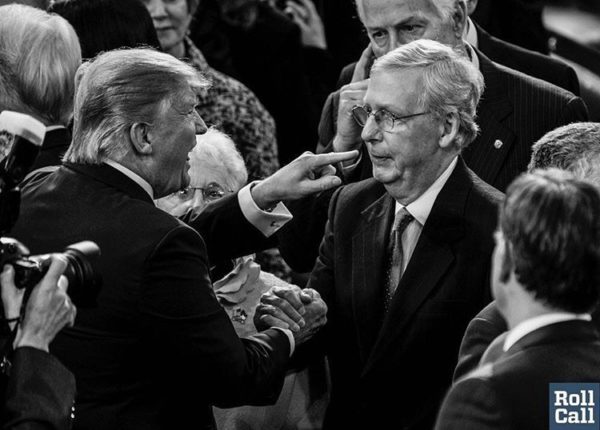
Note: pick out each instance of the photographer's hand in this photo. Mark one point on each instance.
(48, 309)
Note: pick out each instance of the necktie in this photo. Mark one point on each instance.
(403, 218)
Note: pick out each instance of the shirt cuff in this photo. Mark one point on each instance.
(266, 222)
(290, 336)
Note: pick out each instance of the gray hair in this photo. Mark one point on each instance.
(215, 148)
(445, 7)
(452, 84)
(120, 88)
(573, 147)
(39, 55)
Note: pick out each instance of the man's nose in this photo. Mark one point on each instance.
(370, 131)
(201, 127)
(395, 41)
(156, 8)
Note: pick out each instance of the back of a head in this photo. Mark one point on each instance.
(574, 147)
(451, 83)
(103, 25)
(39, 56)
(551, 222)
(113, 94)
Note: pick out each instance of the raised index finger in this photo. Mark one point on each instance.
(332, 158)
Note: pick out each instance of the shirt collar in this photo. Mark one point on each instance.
(525, 327)
(421, 207)
(470, 34)
(54, 127)
(472, 55)
(133, 176)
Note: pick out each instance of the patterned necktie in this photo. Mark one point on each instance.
(403, 218)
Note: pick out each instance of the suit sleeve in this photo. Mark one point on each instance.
(40, 392)
(227, 233)
(480, 333)
(471, 404)
(196, 338)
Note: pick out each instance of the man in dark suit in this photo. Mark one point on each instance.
(546, 281)
(514, 111)
(574, 148)
(158, 349)
(399, 300)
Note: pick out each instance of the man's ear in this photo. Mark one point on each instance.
(449, 129)
(507, 263)
(138, 133)
(459, 18)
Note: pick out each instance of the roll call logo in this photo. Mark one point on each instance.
(574, 406)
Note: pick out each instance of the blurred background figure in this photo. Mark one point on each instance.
(39, 56)
(104, 25)
(227, 103)
(217, 170)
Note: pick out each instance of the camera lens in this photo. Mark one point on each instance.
(84, 282)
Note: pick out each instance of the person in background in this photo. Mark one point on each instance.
(574, 148)
(546, 282)
(104, 25)
(39, 391)
(227, 104)
(39, 56)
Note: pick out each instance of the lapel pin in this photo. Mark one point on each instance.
(498, 144)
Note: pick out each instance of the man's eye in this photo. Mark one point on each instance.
(379, 36)
(410, 28)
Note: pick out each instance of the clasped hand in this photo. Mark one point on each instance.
(302, 311)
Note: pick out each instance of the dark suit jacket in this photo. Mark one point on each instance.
(512, 392)
(159, 348)
(39, 394)
(56, 143)
(445, 283)
(529, 62)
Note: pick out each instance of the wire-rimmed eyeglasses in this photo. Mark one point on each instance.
(384, 119)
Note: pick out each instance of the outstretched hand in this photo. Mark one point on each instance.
(308, 174)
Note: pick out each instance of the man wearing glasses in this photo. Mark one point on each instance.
(404, 263)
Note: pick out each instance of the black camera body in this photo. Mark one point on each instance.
(84, 282)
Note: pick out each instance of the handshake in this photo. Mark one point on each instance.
(302, 311)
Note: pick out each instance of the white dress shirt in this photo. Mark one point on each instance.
(420, 210)
(525, 327)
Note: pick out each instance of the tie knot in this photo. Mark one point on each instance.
(403, 218)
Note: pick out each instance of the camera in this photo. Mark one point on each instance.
(84, 282)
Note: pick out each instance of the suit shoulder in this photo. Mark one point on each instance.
(521, 84)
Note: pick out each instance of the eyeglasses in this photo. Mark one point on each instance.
(210, 193)
(384, 119)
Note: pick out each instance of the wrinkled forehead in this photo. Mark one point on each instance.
(396, 90)
(384, 13)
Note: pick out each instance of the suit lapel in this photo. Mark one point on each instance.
(432, 258)
(485, 156)
(369, 247)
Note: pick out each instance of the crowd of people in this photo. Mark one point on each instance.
(434, 264)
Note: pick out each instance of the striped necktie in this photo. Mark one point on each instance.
(394, 272)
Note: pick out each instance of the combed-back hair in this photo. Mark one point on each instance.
(451, 83)
(39, 56)
(551, 223)
(120, 88)
(574, 147)
(103, 25)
